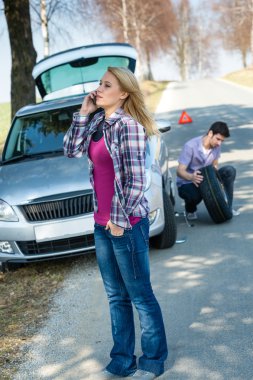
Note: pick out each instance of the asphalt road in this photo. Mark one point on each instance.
(204, 286)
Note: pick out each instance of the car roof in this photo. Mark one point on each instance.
(50, 105)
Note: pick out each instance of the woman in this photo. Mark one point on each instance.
(114, 140)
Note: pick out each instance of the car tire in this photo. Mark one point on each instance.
(214, 195)
(3, 267)
(167, 238)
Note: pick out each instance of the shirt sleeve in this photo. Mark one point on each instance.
(74, 141)
(133, 144)
(186, 154)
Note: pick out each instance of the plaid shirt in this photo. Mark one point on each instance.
(125, 140)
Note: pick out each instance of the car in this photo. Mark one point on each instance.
(46, 208)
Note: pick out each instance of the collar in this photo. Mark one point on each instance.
(116, 115)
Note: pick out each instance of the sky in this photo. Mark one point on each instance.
(163, 68)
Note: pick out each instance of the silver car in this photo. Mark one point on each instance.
(46, 208)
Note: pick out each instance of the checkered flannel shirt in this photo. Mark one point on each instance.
(126, 141)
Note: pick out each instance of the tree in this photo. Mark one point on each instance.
(46, 14)
(192, 44)
(146, 24)
(181, 38)
(203, 47)
(23, 53)
(236, 18)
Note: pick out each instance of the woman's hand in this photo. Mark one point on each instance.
(115, 230)
(89, 104)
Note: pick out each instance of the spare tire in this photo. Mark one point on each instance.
(214, 195)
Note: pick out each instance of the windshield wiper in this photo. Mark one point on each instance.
(24, 156)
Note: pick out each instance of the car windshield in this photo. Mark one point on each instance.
(77, 76)
(38, 133)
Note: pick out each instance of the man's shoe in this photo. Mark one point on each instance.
(143, 375)
(235, 213)
(191, 215)
(106, 375)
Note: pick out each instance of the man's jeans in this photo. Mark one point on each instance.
(191, 193)
(124, 265)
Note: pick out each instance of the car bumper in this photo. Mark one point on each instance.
(30, 242)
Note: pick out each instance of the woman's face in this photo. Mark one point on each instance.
(109, 94)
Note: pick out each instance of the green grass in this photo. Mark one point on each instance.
(5, 121)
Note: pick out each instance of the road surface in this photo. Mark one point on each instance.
(204, 286)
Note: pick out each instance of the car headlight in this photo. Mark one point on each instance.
(7, 214)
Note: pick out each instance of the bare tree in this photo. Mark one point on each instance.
(22, 52)
(192, 42)
(49, 16)
(203, 45)
(236, 18)
(145, 24)
(181, 38)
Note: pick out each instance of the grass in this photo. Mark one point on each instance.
(25, 296)
(5, 121)
(25, 293)
(152, 92)
(243, 77)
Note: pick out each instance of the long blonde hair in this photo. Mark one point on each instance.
(134, 104)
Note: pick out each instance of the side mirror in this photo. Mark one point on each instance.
(163, 125)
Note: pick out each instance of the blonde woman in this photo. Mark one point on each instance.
(114, 140)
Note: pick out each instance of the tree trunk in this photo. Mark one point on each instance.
(23, 54)
(149, 73)
(44, 27)
(244, 58)
(139, 64)
(125, 20)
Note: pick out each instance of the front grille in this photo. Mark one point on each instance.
(56, 246)
(63, 208)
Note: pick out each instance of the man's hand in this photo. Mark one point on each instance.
(115, 230)
(194, 177)
(197, 178)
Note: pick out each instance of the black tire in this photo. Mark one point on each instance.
(214, 195)
(3, 267)
(167, 238)
(9, 266)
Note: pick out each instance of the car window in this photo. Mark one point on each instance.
(38, 133)
(80, 72)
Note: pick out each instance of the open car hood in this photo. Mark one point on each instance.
(79, 70)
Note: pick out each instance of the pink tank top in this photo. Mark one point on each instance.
(103, 174)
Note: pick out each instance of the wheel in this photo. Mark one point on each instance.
(3, 266)
(214, 195)
(167, 238)
(9, 266)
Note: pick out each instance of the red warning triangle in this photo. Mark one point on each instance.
(185, 118)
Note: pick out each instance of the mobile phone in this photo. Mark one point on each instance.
(94, 100)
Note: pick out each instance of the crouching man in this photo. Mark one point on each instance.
(197, 153)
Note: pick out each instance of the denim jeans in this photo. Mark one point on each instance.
(191, 193)
(124, 265)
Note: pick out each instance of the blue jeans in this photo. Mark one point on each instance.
(191, 193)
(124, 265)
